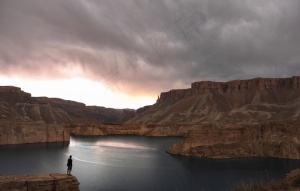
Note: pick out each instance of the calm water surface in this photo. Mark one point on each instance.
(137, 163)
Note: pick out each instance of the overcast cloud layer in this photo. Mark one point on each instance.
(150, 46)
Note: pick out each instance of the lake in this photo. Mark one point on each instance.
(137, 163)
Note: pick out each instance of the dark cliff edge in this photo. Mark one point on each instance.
(53, 182)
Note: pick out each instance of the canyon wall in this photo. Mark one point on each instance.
(270, 139)
(46, 182)
(32, 132)
(218, 119)
(238, 88)
(240, 101)
(26, 119)
(129, 129)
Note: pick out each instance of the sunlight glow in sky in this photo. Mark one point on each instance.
(91, 52)
(80, 90)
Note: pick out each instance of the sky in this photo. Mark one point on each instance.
(123, 54)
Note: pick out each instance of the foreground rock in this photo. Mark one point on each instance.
(272, 139)
(47, 182)
(290, 183)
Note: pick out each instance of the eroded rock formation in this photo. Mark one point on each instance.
(26, 119)
(32, 132)
(129, 129)
(240, 101)
(219, 119)
(271, 139)
(241, 118)
(46, 182)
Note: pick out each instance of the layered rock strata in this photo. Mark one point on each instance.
(46, 182)
(272, 139)
(32, 132)
(26, 119)
(239, 101)
(238, 88)
(239, 118)
(129, 129)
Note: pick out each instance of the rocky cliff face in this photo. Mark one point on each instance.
(32, 132)
(241, 118)
(271, 139)
(129, 129)
(240, 101)
(240, 87)
(51, 182)
(26, 119)
(220, 119)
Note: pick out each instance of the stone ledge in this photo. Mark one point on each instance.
(45, 182)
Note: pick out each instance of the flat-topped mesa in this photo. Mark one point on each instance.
(174, 95)
(256, 83)
(68, 105)
(59, 102)
(12, 89)
(243, 86)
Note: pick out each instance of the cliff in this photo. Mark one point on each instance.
(32, 132)
(129, 129)
(269, 139)
(51, 182)
(241, 118)
(239, 101)
(27, 119)
(239, 88)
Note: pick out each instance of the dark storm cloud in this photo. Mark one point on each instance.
(151, 45)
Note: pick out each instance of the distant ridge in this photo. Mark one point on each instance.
(237, 101)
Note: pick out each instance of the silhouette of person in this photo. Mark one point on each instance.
(69, 164)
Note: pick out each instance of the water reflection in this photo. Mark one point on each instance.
(137, 163)
(237, 164)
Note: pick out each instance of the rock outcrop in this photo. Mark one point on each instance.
(46, 182)
(129, 129)
(32, 132)
(271, 139)
(241, 118)
(218, 119)
(290, 183)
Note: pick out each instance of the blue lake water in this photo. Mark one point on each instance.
(137, 163)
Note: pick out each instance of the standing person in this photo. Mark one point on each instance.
(69, 164)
